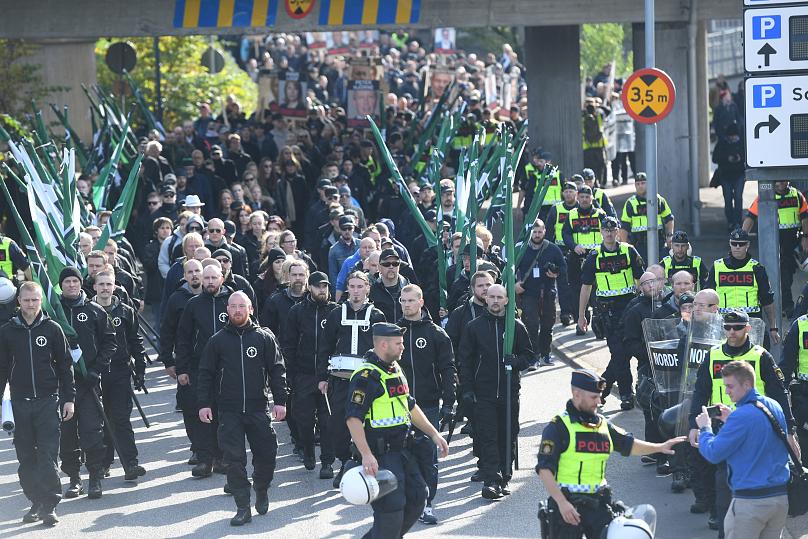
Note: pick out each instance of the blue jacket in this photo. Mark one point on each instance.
(756, 456)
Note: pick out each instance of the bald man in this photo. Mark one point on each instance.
(216, 240)
(482, 369)
(681, 281)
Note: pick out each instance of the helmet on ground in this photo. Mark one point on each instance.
(359, 488)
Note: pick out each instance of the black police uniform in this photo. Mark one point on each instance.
(40, 385)
(84, 432)
(593, 508)
(238, 365)
(336, 339)
(482, 361)
(304, 331)
(428, 364)
(796, 378)
(203, 316)
(395, 513)
(115, 383)
(589, 220)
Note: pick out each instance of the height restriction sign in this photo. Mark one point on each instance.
(648, 95)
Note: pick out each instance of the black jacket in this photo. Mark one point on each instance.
(170, 321)
(459, 319)
(275, 313)
(242, 362)
(633, 336)
(384, 301)
(240, 264)
(128, 339)
(336, 339)
(203, 316)
(35, 360)
(238, 283)
(301, 340)
(428, 362)
(481, 357)
(96, 336)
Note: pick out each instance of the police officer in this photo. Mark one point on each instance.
(792, 222)
(8, 295)
(742, 283)
(679, 260)
(12, 259)
(556, 218)
(115, 386)
(379, 413)
(41, 385)
(574, 474)
(84, 432)
(709, 390)
(483, 364)
(241, 363)
(203, 316)
(304, 331)
(346, 338)
(541, 267)
(581, 235)
(602, 200)
(635, 218)
(428, 363)
(539, 159)
(794, 364)
(613, 269)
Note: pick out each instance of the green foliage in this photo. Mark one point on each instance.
(603, 43)
(184, 82)
(20, 81)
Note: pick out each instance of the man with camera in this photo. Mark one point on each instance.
(538, 270)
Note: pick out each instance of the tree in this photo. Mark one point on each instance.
(604, 43)
(20, 81)
(184, 82)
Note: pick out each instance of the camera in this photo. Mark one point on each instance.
(590, 109)
(552, 267)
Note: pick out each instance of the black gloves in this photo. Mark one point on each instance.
(139, 381)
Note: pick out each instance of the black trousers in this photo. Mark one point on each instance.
(36, 441)
(723, 496)
(202, 435)
(257, 427)
(620, 165)
(310, 408)
(539, 316)
(619, 367)
(652, 433)
(489, 433)
(337, 428)
(702, 478)
(574, 264)
(84, 432)
(595, 159)
(291, 416)
(595, 517)
(426, 452)
(395, 513)
(118, 407)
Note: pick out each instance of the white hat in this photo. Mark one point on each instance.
(192, 201)
(7, 291)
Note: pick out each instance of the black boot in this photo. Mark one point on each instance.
(326, 472)
(33, 514)
(95, 491)
(491, 491)
(203, 469)
(261, 501)
(194, 460)
(48, 516)
(338, 477)
(219, 467)
(133, 472)
(242, 517)
(75, 489)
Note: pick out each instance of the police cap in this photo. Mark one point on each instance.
(584, 190)
(571, 185)
(386, 329)
(588, 381)
(739, 234)
(588, 174)
(736, 317)
(317, 278)
(680, 236)
(577, 178)
(686, 297)
(610, 222)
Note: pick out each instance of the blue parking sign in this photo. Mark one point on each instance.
(766, 27)
(767, 96)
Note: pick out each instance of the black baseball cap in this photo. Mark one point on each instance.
(388, 253)
(323, 183)
(346, 221)
(222, 252)
(585, 190)
(317, 278)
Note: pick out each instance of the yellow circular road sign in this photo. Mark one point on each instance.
(648, 95)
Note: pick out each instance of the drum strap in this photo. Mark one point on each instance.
(355, 324)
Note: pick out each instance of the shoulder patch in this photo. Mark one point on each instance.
(365, 373)
(358, 397)
(779, 372)
(546, 447)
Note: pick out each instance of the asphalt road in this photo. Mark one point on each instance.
(168, 502)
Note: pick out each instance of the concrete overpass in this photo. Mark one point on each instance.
(68, 30)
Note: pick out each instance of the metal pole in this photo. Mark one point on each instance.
(651, 145)
(692, 118)
(157, 84)
(769, 249)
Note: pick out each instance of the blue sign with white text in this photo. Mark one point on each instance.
(766, 27)
(767, 96)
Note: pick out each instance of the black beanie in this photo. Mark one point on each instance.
(69, 271)
(274, 254)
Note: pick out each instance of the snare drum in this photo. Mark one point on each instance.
(344, 366)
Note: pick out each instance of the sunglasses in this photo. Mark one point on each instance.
(731, 327)
(390, 264)
(223, 260)
(194, 229)
(739, 243)
(154, 202)
(215, 230)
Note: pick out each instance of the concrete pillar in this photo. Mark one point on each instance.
(673, 162)
(68, 64)
(552, 58)
(702, 94)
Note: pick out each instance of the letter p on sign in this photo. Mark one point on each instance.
(767, 96)
(766, 27)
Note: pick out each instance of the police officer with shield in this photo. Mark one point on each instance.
(379, 414)
(573, 453)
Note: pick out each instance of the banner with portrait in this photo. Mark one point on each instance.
(292, 95)
(440, 78)
(364, 97)
(267, 92)
(445, 40)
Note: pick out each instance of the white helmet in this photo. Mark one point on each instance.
(629, 528)
(7, 291)
(359, 489)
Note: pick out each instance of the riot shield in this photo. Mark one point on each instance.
(706, 330)
(662, 339)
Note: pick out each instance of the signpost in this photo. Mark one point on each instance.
(776, 39)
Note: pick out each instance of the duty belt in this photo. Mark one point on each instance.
(619, 292)
(582, 489)
(343, 366)
(788, 226)
(751, 309)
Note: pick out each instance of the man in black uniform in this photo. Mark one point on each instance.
(240, 363)
(574, 474)
(43, 382)
(115, 386)
(379, 414)
(385, 292)
(709, 390)
(304, 330)
(794, 363)
(204, 315)
(428, 363)
(482, 362)
(84, 432)
(346, 338)
(233, 281)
